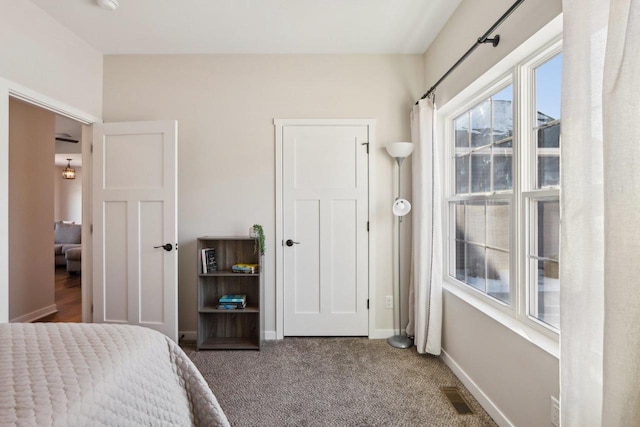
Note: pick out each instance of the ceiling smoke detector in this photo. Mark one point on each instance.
(108, 4)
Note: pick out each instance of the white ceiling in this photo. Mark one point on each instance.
(76, 159)
(255, 26)
(68, 126)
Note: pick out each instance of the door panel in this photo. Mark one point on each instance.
(306, 286)
(116, 307)
(325, 209)
(135, 210)
(151, 295)
(344, 256)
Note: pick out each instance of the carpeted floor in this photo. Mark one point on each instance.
(332, 382)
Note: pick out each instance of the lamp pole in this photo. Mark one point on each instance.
(400, 341)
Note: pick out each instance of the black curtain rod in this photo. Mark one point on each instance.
(481, 40)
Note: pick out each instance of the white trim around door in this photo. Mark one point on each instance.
(279, 125)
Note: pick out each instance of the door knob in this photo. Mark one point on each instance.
(291, 242)
(167, 247)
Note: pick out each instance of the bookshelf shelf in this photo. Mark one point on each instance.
(246, 310)
(228, 344)
(228, 273)
(237, 329)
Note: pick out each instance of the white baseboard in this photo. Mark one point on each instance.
(480, 395)
(380, 334)
(377, 334)
(35, 315)
(188, 335)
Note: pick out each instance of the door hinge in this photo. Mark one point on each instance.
(367, 304)
(367, 225)
(91, 229)
(367, 145)
(91, 150)
(91, 308)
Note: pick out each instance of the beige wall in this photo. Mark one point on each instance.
(42, 55)
(517, 376)
(68, 196)
(225, 106)
(31, 265)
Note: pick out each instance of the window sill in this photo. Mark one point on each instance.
(536, 338)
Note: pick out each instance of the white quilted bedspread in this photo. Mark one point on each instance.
(66, 374)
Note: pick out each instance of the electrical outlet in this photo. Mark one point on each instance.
(555, 412)
(388, 303)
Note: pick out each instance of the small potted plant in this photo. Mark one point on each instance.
(258, 233)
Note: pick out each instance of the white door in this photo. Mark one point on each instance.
(134, 215)
(325, 214)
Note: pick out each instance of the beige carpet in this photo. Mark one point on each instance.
(333, 382)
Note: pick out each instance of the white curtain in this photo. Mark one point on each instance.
(600, 210)
(425, 288)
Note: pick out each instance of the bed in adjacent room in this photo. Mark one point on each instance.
(97, 374)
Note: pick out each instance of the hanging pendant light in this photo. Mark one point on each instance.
(69, 172)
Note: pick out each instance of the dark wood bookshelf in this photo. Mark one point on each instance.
(235, 329)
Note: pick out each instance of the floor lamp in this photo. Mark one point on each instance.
(401, 207)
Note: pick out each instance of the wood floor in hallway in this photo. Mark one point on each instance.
(68, 298)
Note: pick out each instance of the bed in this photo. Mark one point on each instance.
(100, 375)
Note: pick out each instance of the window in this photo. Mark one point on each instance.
(483, 163)
(504, 190)
(543, 197)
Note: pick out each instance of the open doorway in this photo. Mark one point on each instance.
(67, 215)
(45, 215)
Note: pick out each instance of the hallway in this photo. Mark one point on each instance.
(68, 298)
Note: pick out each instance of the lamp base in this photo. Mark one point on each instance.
(400, 341)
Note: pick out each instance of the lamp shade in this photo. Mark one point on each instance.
(400, 149)
(401, 207)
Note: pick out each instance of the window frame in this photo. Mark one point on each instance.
(517, 68)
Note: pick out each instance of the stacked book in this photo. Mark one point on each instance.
(245, 268)
(209, 263)
(232, 302)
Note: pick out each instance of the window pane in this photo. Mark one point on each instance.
(462, 175)
(459, 263)
(459, 220)
(545, 298)
(548, 171)
(498, 275)
(498, 225)
(544, 274)
(461, 125)
(481, 124)
(549, 137)
(502, 114)
(481, 171)
(548, 79)
(474, 267)
(475, 227)
(548, 229)
(502, 167)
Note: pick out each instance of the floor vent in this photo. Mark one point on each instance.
(456, 399)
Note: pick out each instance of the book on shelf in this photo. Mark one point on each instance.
(209, 263)
(245, 268)
(231, 306)
(235, 298)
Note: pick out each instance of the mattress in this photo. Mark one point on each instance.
(66, 374)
